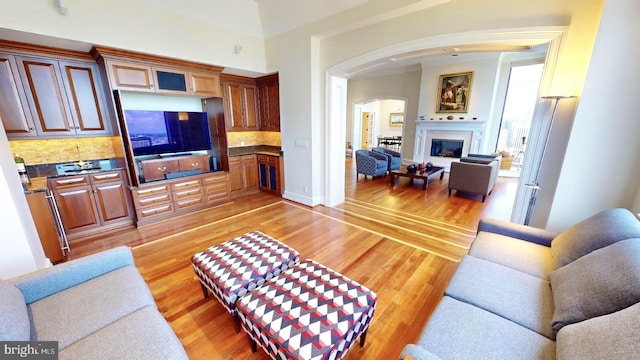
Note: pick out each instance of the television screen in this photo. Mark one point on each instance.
(160, 132)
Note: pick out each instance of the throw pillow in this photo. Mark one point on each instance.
(14, 318)
(602, 282)
(598, 231)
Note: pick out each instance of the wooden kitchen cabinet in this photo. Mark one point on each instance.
(152, 201)
(44, 222)
(14, 109)
(111, 196)
(88, 203)
(269, 102)
(148, 73)
(243, 175)
(77, 208)
(269, 172)
(156, 169)
(241, 105)
(65, 98)
(126, 75)
(216, 187)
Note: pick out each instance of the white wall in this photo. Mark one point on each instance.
(602, 164)
(20, 248)
(136, 26)
(289, 54)
(481, 92)
(404, 86)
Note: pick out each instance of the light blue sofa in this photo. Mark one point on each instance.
(525, 293)
(96, 307)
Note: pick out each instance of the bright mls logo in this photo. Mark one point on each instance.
(31, 350)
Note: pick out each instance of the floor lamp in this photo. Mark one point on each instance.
(535, 185)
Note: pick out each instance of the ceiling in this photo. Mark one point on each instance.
(264, 18)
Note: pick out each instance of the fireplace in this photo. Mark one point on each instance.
(447, 148)
(468, 134)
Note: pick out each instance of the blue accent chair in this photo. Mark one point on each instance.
(371, 163)
(394, 157)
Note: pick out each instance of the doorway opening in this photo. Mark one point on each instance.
(517, 114)
(378, 123)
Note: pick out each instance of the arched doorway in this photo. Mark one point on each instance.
(334, 191)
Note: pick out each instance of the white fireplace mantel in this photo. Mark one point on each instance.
(471, 131)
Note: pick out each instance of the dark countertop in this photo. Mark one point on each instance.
(259, 149)
(38, 184)
(39, 174)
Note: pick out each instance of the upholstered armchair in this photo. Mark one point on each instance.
(394, 157)
(371, 163)
(474, 175)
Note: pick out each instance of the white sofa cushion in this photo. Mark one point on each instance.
(602, 282)
(14, 318)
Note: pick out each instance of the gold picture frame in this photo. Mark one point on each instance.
(454, 92)
(396, 119)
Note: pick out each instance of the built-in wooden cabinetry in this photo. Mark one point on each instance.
(147, 73)
(92, 203)
(269, 102)
(43, 219)
(269, 173)
(163, 199)
(49, 96)
(158, 169)
(241, 103)
(14, 110)
(243, 174)
(251, 104)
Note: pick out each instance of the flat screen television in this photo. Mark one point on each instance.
(161, 132)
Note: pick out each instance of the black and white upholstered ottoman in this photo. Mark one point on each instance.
(231, 269)
(307, 312)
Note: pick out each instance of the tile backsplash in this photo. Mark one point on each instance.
(253, 138)
(49, 151)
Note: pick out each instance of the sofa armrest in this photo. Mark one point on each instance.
(518, 231)
(42, 283)
(412, 351)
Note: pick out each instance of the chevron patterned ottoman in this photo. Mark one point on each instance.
(307, 312)
(233, 268)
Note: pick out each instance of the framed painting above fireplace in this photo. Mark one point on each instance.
(454, 91)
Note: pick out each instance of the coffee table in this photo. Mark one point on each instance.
(425, 176)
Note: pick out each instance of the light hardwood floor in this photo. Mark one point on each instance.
(400, 241)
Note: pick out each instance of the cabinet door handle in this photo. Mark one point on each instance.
(195, 164)
(162, 168)
(31, 129)
(108, 176)
(70, 181)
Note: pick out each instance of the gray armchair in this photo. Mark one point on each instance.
(394, 158)
(474, 175)
(371, 163)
